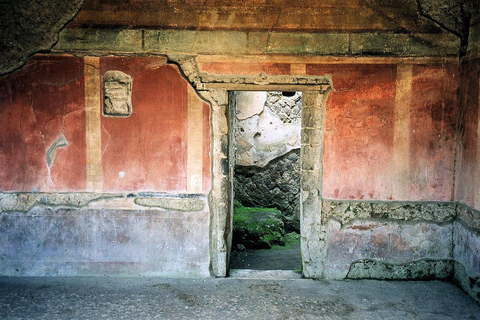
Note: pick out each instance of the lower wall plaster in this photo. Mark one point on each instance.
(104, 234)
(403, 241)
(80, 234)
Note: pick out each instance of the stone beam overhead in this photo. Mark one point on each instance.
(278, 15)
(140, 41)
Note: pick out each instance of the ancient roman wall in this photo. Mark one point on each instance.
(109, 192)
(103, 174)
(388, 164)
(466, 236)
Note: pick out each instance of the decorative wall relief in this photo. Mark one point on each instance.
(117, 94)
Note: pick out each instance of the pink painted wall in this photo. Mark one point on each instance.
(467, 187)
(37, 104)
(47, 98)
(148, 146)
(359, 132)
(433, 119)
(360, 127)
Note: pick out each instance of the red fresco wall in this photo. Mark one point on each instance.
(467, 164)
(47, 98)
(147, 151)
(433, 131)
(37, 104)
(360, 127)
(359, 132)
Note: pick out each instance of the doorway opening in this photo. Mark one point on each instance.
(265, 149)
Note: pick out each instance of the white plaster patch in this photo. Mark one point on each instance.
(250, 103)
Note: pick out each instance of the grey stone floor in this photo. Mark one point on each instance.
(157, 298)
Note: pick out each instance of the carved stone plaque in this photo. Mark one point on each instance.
(117, 94)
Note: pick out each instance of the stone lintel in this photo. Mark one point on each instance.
(255, 43)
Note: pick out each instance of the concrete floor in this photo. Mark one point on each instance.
(156, 298)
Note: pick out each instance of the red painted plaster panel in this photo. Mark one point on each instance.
(206, 148)
(432, 132)
(39, 103)
(147, 150)
(465, 181)
(245, 68)
(358, 131)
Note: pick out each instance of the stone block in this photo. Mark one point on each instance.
(205, 42)
(312, 117)
(312, 157)
(172, 203)
(109, 40)
(311, 180)
(424, 269)
(307, 43)
(312, 136)
(443, 44)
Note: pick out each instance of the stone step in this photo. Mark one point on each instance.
(264, 274)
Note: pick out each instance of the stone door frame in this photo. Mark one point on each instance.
(314, 92)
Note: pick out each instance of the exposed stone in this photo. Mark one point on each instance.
(438, 45)
(347, 211)
(31, 26)
(468, 216)
(103, 40)
(24, 202)
(452, 15)
(424, 269)
(175, 204)
(173, 42)
(277, 185)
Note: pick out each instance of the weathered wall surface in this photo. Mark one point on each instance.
(39, 104)
(468, 157)
(389, 132)
(466, 254)
(103, 234)
(163, 145)
(356, 15)
(67, 167)
(388, 240)
(466, 237)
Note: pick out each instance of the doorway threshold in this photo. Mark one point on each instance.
(264, 274)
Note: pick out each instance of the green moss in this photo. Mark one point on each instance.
(257, 227)
(292, 240)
